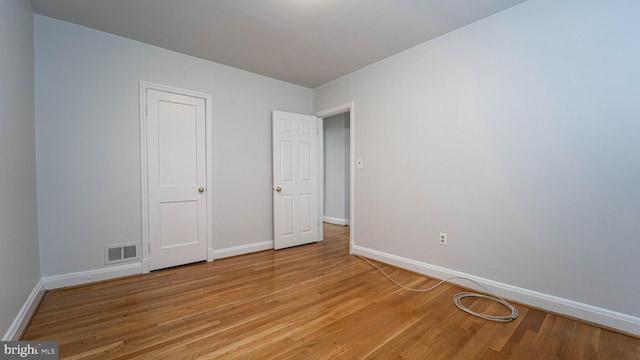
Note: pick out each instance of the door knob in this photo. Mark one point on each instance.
(278, 189)
(201, 189)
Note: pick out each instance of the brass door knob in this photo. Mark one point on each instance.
(201, 189)
(278, 189)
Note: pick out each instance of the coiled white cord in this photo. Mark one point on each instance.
(459, 296)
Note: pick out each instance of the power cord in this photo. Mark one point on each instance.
(459, 296)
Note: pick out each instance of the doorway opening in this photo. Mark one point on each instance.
(336, 171)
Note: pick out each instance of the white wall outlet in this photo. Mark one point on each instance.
(443, 238)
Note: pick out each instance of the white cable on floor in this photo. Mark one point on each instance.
(459, 296)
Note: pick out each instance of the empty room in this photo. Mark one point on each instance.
(316, 179)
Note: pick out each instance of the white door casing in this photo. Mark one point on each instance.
(295, 179)
(178, 200)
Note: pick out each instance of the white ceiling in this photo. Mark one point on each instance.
(304, 42)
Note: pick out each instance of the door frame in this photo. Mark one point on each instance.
(144, 178)
(340, 109)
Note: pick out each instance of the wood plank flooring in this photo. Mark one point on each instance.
(308, 302)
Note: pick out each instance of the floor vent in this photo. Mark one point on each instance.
(120, 252)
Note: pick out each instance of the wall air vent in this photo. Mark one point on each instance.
(117, 253)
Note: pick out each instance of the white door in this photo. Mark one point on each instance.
(177, 178)
(295, 179)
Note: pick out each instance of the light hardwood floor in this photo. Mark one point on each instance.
(307, 302)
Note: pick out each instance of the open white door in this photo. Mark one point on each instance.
(295, 179)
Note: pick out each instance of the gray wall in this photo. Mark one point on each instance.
(518, 136)
(336, 168)
(89, 141)
(19, 257)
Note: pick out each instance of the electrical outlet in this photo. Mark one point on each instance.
(443, 239)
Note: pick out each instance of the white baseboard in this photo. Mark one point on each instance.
(243, 249)
(337, 221)
(24, 315)
(85, 277)
(594, 314)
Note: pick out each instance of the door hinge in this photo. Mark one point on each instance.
(146, 109)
